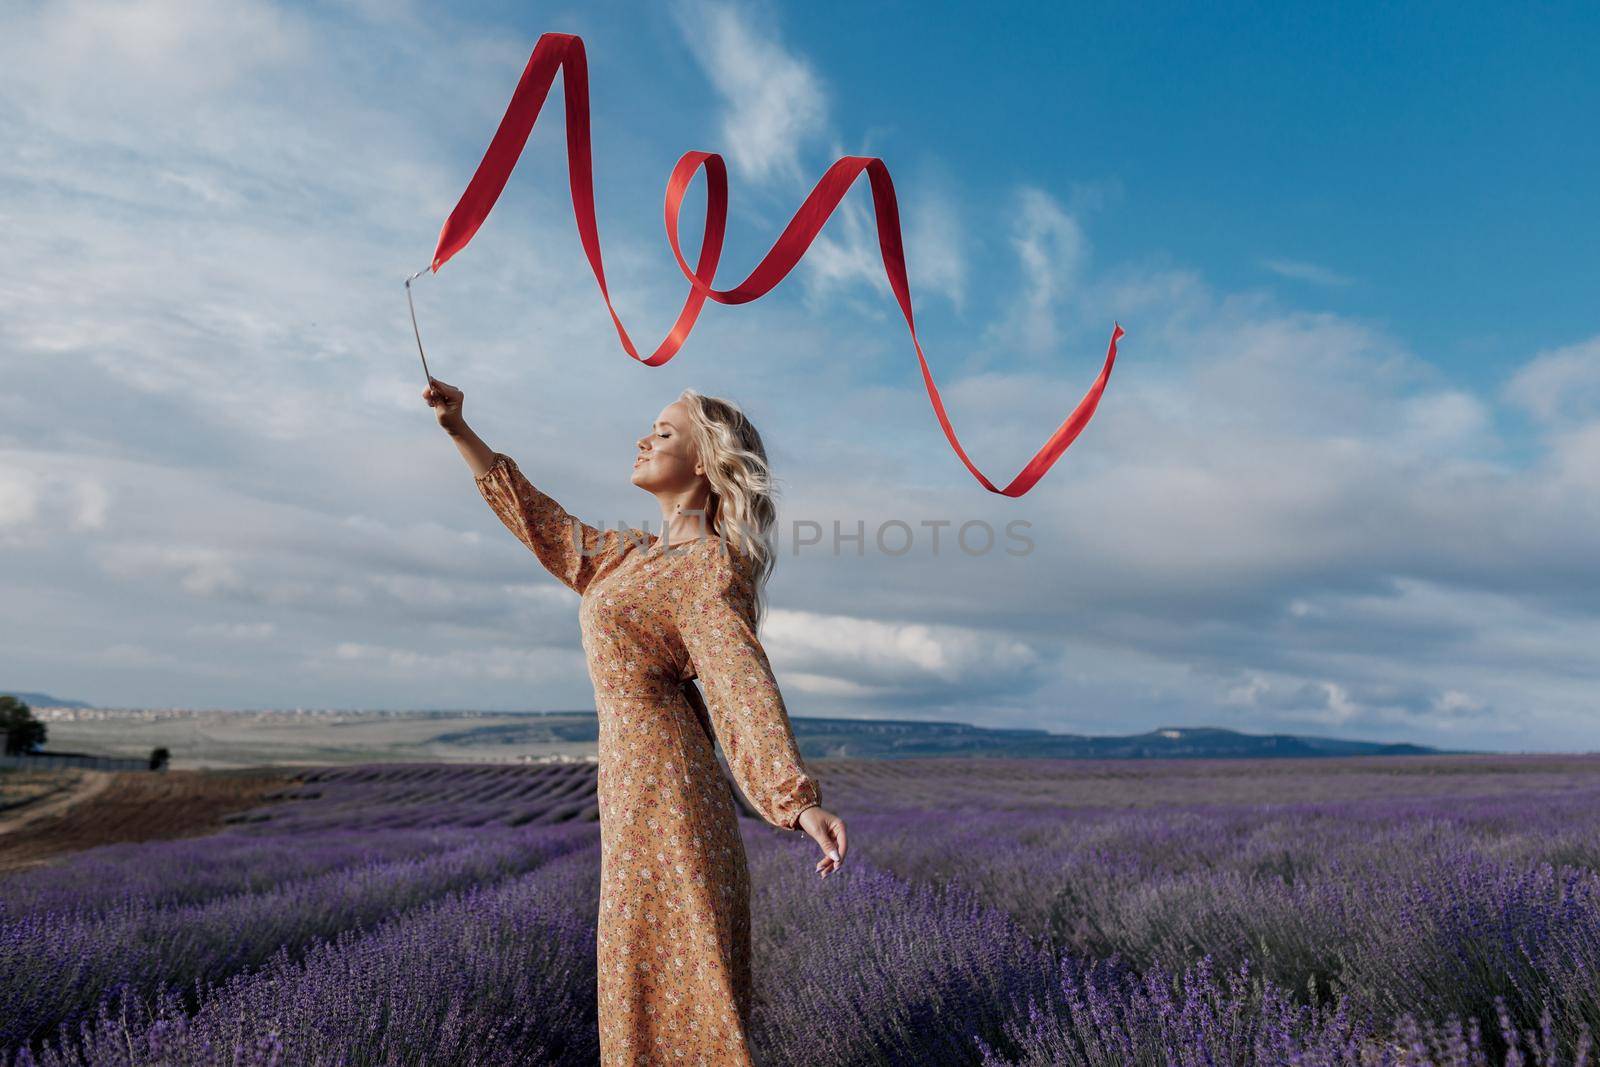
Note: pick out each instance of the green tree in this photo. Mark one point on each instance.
(23, 732)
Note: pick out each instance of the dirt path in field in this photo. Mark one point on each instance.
(90, 784)
(114, 806)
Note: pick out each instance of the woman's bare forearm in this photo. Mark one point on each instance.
(479, 456)
(446, 401)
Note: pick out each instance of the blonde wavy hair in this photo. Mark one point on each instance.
(741, 509)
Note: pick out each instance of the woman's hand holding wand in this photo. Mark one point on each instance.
(446, 401)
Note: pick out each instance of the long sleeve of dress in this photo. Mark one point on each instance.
(715, 618)
(568, 548)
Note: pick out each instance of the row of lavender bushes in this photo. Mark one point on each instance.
(54, 965)
(875, 970)
(1446, 930)
(1448, 908)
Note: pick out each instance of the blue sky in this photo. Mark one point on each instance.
(1344, 479)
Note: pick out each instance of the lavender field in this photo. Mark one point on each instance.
(1391, 910)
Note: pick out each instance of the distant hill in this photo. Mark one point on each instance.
(44, 700)
(891, 738)
(904, 738)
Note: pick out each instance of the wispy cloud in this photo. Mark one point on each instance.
(1302, 271)
(937, 248)
(774, 102)
(235, 631)
(899, 662)
(1052, 253)
(1559, 387)
(19, 498)
(776, 112)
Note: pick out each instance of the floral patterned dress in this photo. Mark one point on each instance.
(674, 923)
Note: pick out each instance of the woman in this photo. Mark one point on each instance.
(655, 613)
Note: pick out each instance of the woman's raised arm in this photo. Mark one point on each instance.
(569, 549)
(446, 401)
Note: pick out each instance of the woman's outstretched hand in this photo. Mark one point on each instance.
(827, 830)
(446, 400)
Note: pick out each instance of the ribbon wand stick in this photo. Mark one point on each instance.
(414, 329)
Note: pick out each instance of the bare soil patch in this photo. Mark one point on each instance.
(29, 790)
(107, 807)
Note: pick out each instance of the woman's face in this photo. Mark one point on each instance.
(666, 460)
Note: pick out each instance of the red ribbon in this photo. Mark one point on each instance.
(565, 51)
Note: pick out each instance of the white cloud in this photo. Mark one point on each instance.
(198, 570)
(39, 502)
(19, 498)
(1560, 386)
(1052, 253)
(1266, 467)
(499, 663)
(235, 631)
(936, 245)
(1575, 461)
(876, 655)
(773, 101)
(827, 686)
(1448, 422)
(1300, 270)
(123, 56)
(844, 259)
(1455, 702)
(845, 263)
(775, 105)
(91, 504)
